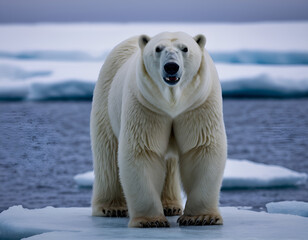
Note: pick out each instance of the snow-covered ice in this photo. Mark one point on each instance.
(238, 174)
(58, 61)
(248, 174)
(288, 207)
(77, 223)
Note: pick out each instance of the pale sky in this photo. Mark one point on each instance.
(25, 11)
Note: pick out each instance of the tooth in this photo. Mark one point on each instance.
(167, 78)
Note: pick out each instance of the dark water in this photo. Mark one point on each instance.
(44, 144)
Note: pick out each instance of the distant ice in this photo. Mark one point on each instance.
(263, 80)
(76, 223)
(238, 174)
(62, 61)
(41, 80)
(46, 80)
(288, 207)
(55, 55)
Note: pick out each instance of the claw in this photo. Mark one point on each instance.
(104, 211)
(165, 211)
(204, 222)
(169, 211)
(118, 213)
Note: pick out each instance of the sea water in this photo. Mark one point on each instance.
(44, 144)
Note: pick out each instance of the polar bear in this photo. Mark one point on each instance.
(156, 122)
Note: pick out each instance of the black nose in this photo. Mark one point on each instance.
(171, 68)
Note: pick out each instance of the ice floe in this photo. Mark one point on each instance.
(238, 174)
(84, 179)
(288, 207)
(77, 223)
(248, 174)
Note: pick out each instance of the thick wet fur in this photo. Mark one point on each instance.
(157, 123)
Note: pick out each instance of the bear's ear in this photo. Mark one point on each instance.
(201, 40)
(143, 40)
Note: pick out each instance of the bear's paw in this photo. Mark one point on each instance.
(111, 211)
(172, 209)
(149, 222)
(200, 220)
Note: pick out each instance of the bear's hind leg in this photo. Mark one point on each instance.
(171, 194)
(108, 198)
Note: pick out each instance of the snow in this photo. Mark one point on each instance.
(288, 207)
(96, 39)
(238, 174)
(77, 223)
(62, 61)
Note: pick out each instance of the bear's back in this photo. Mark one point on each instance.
(117, 58)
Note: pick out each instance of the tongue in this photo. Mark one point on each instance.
(172, 79)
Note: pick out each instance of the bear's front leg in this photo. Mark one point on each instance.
(202, 171)
(202, 142)
(143, 141)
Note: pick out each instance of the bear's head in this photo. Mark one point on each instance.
(171, 71)
(171, 58)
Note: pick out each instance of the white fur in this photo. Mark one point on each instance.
(145, 132)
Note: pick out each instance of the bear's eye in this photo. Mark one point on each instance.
(184, 49)
(158, 49)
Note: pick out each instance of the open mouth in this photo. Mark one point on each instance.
(171, 80)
